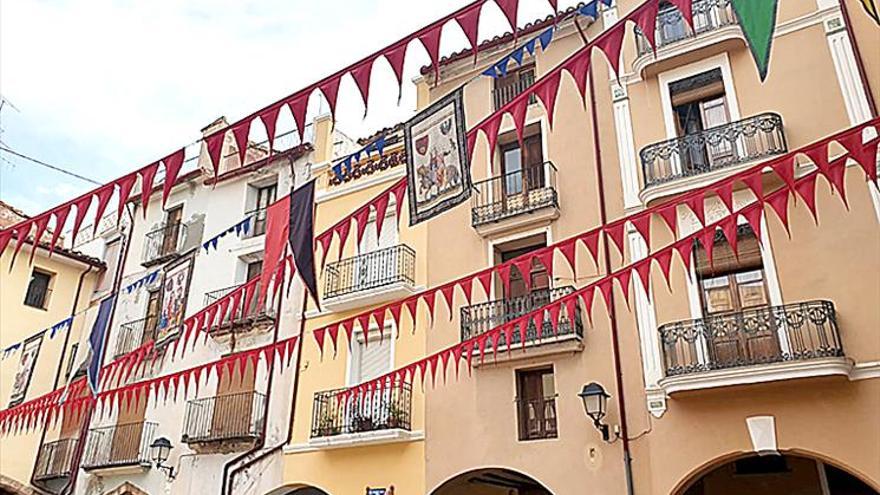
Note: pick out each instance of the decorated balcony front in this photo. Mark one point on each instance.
(228, 423)
(164, 244)
(480, 318)
(717, 148)
(515, 198)
(55, 460)
(336, 421)
(759, 344)
(123, 447)
(251, 313)
(370, 278)
(135, 333)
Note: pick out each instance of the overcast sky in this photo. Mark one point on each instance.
(103, 87)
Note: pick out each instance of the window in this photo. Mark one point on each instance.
(516, 81)
(699, 102)
(171, 236)
(234, 405)
(111, 258)
(539, 278)
(152, 316)
(39, 289)
(266, 195)
(536, 404)
(371, 359)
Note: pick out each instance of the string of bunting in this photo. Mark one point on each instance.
(52, 330)
(694, 201)
(467, 18)
(565, 309)
(240, 228)
(377, 146)
(499, 69)
(147, 279)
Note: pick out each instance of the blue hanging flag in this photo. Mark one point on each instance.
(491, 72)
(380, 145)
(502, 65)
(546, 37)
(96, 343)
(518, 55)
(58, 326)
(530, 46)
(591, 9)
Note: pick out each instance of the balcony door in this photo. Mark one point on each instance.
(371, 268)
(739, 324)
(127, 436)
(522, 170)
(265, 196)
(536, 404)
(521, 297)
(154, 306)
(370, 359)
(700, 103)
(171, 235)
(234, 405)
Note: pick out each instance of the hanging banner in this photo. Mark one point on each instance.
(174, 292)
(29, 354)
(438, 172)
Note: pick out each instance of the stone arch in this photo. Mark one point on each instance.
(798, 462)
(491, 481)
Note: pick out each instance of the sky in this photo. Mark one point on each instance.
(103, 87)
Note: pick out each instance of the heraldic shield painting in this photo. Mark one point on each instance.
(437, 159)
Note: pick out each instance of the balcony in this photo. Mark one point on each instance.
(508, 87)
(714, 23)
(378, 416)
(717, 148)
(164, 244)
(757, 345)
(55, 460)
(536, 418)
(119, 449)
(370, 278)
(515, 199)
(134, 334)
(226, 423)
(251, 315)
(480, 318)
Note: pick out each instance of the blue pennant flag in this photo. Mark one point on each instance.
(96, 343)
(502, 65)
(60, 325)
(590, 10)
(491, 72)
(380, 145)
(518, 55)
(530, 46)
(337, 170)
(9, 350)
(546, 37)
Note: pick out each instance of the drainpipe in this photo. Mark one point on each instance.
(860, 65)
(82, 277)
(117, 282)
(226, 488)
(612, 311)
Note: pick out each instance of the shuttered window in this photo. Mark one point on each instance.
(371, 359)
(732, 281)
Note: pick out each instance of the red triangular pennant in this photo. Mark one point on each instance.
(547, 90)
(330, 89)
(469, 20)
(214, 145)
(361, 75)
(269, 117)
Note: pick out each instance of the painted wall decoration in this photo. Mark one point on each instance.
(174, 292)
(26, 364)
(437, 158)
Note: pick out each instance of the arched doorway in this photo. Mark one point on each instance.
(492, 481)
(773, 474)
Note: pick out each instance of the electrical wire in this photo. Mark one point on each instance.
(49, 165)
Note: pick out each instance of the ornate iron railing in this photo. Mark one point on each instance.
(770, 334)
(248, 312)
(715, 148)
(514, 193)
(384, 409)
(536, 418)
(164, 243)
(506, 90)
(370, 271)
(55, 459)
(119, 445)
(135, 333)
(709, 15)
(480, 318)
(237, 416)
(258, 222)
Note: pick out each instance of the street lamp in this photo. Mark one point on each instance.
(595, 401)
(159, 451)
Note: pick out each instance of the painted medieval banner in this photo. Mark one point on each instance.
(438, 172)
(22, 380)
(175, 288)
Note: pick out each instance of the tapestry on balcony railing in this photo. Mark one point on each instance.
(437, 158)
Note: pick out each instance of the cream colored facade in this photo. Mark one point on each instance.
(72, 278)
(819, 412)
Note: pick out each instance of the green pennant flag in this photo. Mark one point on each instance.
(757, 19)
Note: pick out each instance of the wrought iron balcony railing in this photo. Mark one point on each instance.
(514, 193)
(709, 15)
(119, 445)
(55, 459)
(135, 333)
(536, 417)
(383, 267)
(384, 409)
(258, 222)
(237, 416)
(164, 243)
(770, 334)
(715, 148)
(507, 88)
(249, 312)
(480, 318)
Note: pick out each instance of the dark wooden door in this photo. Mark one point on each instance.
(172, 230)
